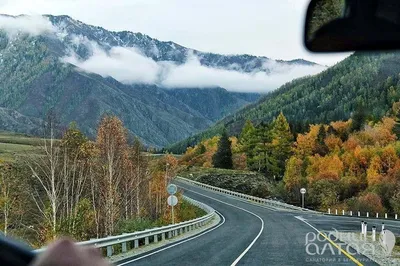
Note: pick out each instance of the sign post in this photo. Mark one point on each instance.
(302, 191)
(172, 199)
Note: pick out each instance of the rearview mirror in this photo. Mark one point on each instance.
(351, 25)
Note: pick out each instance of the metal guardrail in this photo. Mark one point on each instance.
(361, 214)
(269, 202)
(150, 235)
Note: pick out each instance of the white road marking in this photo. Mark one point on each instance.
(176, 244)
(252, 213)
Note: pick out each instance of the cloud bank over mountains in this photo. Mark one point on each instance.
(129, 65)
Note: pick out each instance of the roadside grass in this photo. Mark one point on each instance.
(13, 145)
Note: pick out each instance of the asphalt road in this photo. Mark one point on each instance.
(259, 235)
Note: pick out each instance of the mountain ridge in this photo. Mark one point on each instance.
(34, 79)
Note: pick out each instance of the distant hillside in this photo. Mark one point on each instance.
(372, 80)
(54, 67)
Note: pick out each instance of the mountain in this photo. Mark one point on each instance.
(368, 79)
(82, 72)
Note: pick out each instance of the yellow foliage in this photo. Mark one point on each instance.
(328, 167)
(333, 143)
(305, 144)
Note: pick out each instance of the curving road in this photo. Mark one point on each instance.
(251, 234)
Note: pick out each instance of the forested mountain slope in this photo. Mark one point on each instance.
(371, 80)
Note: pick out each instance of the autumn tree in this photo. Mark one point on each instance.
(294, 179)
(112, 144)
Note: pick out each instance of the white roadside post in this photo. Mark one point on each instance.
(377, 215)
(385, 215)
(351, 213)
(172, 199)
(367, 214)
(335, 211)
(395, 216)
(358, 213)
(362, 227)
(365, 229)
(374, 233)
(383, 227)
(302, 191)
(329, 211)
(342, 212)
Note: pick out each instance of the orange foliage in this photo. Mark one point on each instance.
(374, 171)
(363, 155)
(333, 143)
(382, 133)
(341, 126)
(306, 143)
(351, 143)
(328, 167)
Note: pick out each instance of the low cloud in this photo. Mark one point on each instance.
(126, 65)
(33, 25)
(129, 66)
(193, 74)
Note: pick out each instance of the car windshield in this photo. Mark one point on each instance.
(175, 132)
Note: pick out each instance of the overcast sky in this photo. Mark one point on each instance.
(271, 28)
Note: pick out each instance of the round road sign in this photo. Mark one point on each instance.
(172, 200)
(303, 191)
(172, 189)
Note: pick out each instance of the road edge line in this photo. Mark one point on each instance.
(252, 213)
(330, 240)
(175, 244)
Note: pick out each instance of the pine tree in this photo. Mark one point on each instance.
(246, 138)
(322, 149)
(358, 118)
(282, 140)
(223, 157)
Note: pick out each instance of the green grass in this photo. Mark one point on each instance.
(13, 145)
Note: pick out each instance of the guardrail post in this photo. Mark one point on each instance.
(181, 231)
(123, 247)
(373, 233)
(109, 251)
(169, 234)
(155, 238)
(146, 241)
(136, 243)
(175, 232)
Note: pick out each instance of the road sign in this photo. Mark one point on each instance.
(172, 200)
(172, 189)
(303, 191)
